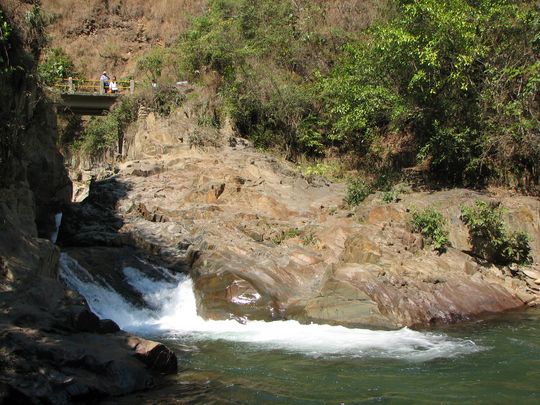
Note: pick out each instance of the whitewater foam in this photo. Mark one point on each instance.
(171, 312)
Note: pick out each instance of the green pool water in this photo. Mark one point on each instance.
(492, 361)
(506, 370)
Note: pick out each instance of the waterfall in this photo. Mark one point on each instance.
(57, 222)
(171, 313)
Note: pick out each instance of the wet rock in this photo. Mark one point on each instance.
(11, 395)
(108, 326)
(343, 303)
(86, 321)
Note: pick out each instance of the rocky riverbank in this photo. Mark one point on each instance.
(261, 241)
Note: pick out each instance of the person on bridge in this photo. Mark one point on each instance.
(105, 80)
(114, 85)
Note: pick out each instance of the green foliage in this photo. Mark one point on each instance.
(490, 237)
(357, 191)
(105, 134)
(214, 40)
(264, 54)
(357, 106)
(100, 135)
(163, 101)
(37, 20)
(151, 63)
(391, 196)
(461, 76)
(287, 234)
(309, 238)
(432, 225)
(452, 85)
(56, 66)
(270, 106)
(328, 170)
(386, 180)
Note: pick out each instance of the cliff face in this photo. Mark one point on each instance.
(34, 181)
(52, 348)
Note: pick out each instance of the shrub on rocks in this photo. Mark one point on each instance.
(490, 237)
(432, 225)
(357, 191)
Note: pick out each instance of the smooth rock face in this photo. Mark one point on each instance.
(263, 242)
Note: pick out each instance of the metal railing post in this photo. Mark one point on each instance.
(70, 85)
(131, 86)
(102, 86)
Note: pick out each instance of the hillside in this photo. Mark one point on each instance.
(110, 35)
(394, 89)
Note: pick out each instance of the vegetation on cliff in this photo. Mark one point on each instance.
(56, 65)
(7, 137)
(451, 86)
(20, 42)
(432, 225)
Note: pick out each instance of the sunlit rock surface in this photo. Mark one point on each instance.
(261, 241)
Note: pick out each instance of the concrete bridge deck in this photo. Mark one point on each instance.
(89, 97)
(86, 103)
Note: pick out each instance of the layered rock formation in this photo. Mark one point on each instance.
(263, 242)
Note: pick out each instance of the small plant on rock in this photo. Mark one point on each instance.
(287, 234)
(391, 196)
(328, 170)
(309, 238)
(357, 191)
(490, 237)
(432, 225)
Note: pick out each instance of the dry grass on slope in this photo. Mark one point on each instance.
(350, 15)
(110, 35)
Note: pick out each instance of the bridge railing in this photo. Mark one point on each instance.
(76, 85)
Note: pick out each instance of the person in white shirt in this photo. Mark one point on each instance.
(114, 85)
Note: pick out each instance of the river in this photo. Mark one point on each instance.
(494, 360)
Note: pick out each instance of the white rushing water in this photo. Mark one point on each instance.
(171, 312)
(57, 223)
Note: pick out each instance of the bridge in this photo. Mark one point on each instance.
(89, 97)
